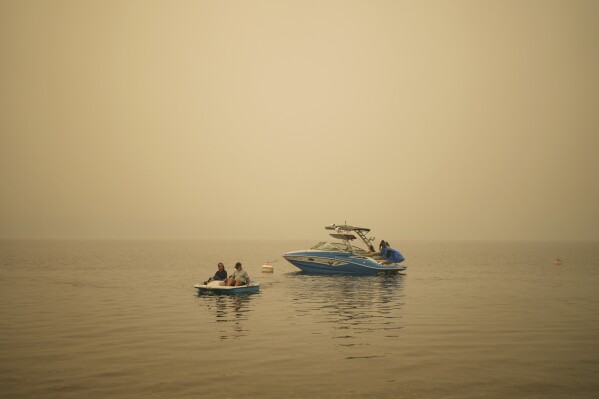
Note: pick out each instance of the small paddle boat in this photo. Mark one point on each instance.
(218, 287)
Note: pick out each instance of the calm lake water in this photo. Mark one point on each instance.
(120, 319)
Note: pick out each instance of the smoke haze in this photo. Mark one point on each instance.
(271, 119)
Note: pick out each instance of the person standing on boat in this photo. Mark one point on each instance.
(220, 275)
(239, 276)
(384, 244)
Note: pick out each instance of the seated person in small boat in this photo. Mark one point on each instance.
(220, 275)
(239, 276)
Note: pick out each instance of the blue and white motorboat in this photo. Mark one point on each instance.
(346, 258)
(219, 287)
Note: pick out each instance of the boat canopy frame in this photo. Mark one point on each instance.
(344, 233)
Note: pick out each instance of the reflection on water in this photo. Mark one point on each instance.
(354, 310)
(230, 312)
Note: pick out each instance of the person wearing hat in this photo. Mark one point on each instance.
(239, 276)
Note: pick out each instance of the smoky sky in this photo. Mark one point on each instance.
(271, 119)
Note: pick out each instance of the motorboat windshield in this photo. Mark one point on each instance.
(338, 246)
(331, 246)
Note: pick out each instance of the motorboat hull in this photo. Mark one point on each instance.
(327, 262)
(222, 289)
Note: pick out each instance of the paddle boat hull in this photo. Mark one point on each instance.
(215, 287)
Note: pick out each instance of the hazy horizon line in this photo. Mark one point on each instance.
(413, 239)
